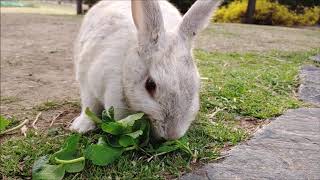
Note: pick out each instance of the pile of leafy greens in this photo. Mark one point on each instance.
(115, 137)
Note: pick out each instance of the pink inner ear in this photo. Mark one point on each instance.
(136, 8)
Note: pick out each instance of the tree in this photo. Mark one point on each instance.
(250, 11)
(79, 7)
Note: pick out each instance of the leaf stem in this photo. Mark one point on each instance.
(186, 148)
(93, 116)
(130, 148)
(69, 161)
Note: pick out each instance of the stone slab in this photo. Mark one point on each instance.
(316, 58)
(288, 148)
(309, 90)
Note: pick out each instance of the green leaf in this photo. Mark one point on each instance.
(74, 167)
(166, 148)
(92, 116)
(126, 141)
(72, 142)
(42, 170)
(129, 121)
(48, 172)
(108, 115)
(184, 145)
(169, 146)
(77, 165)
(130, 139)
(101, 154)
(68, 153)
(69, 149)
(113, 141)
(135, 134)
(145, 127)
(114, 128)
(3, 123)
(39, 163)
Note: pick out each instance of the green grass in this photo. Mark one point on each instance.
(9, 99)
(254, 85)
(51, 105)
(36, 7)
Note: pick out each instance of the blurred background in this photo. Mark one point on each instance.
(265, 12)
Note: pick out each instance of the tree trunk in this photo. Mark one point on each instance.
(250, 11)
(79, 7)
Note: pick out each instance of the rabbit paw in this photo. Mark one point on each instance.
(82, 124)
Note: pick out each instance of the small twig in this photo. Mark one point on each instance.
(221, 157)
(35, 121)
(75, 176)
(159, 154)
(15, 128)
(55, 118)
(204, 78)
(215, 112)
(195, 156)
(144, 151)
(24, 130)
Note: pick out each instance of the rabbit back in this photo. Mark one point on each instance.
(106, 37)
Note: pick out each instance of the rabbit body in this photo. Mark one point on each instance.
(119, 52)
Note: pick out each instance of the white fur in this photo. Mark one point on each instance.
(114, 56)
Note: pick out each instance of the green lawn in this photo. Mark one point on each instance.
(36, 7)
(255, 85)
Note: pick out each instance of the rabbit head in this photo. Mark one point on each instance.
(160, 77)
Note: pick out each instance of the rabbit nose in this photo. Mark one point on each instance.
(173, 133)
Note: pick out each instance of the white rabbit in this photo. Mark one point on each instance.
(138, 57)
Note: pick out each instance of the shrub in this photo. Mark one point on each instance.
(268, 13)
(293, 4)
(296, 4)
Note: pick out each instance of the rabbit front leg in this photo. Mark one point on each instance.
(82, 123)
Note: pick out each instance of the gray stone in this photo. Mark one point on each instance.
(316, 58)
(309, 90)
(288, 148)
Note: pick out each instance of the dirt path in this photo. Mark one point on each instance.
(258, 38)
(36, 59)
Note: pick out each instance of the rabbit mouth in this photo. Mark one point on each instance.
(156, 129)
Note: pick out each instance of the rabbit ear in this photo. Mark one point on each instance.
(148, 20)
(197, 18)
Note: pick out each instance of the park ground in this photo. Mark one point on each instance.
(249, 76)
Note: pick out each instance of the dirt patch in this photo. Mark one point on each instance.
(51, 120)
(61, 116)
(257, 38)
(251, 125)
(36, 60)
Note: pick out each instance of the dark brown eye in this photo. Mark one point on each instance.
(150, 86)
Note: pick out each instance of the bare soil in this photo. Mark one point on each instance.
(257, 38)
(37, 66)
(36, 58)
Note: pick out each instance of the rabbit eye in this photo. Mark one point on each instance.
(150, 86)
